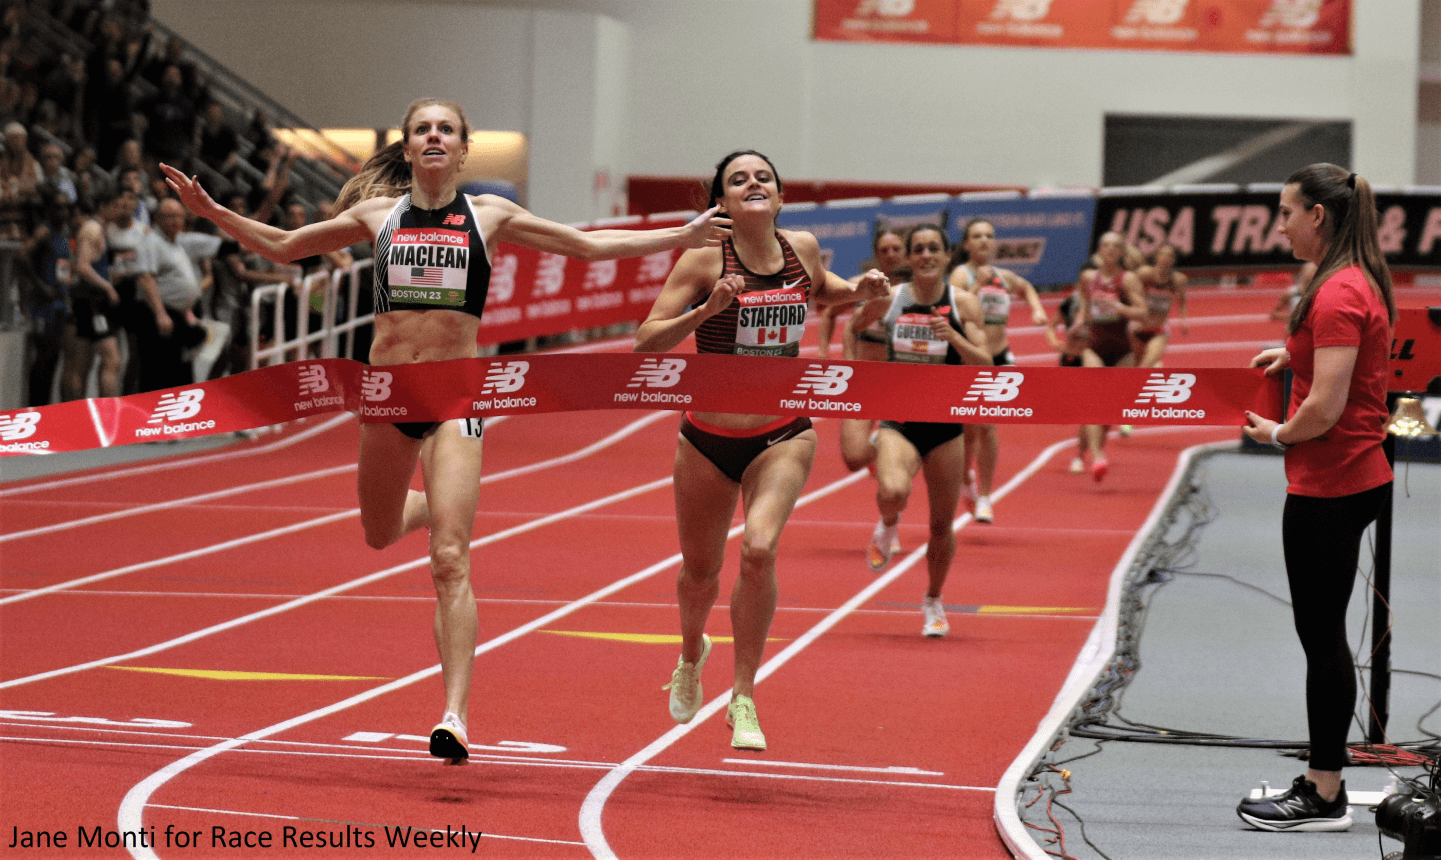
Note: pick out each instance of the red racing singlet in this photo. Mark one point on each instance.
(768, 316)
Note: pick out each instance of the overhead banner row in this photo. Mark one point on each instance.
(1230, 26)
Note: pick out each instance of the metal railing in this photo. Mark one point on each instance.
(338, 294)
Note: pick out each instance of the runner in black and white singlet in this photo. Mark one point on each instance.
(747, 297)
(928, 322)
(1165, 287)
(432, 274)
(1111, 298)
(994, 287)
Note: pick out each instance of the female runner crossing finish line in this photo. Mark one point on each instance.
(404, 200)
(729, 296)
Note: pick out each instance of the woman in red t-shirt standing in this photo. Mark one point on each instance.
(1337, 475)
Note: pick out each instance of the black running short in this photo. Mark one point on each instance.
(418, 430)
(926, 436)
(732, 451)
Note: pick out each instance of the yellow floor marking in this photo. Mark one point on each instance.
(225, 675)
(642, 638)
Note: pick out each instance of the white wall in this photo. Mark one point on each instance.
(668, 86)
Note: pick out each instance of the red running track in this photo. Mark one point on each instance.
(204, 647)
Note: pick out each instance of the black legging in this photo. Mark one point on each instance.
(1322, 542)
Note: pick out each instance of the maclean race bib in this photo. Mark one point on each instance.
(428, 266)
(770, 322)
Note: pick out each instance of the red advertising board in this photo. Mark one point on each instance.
(1242, 26)
(533, 293)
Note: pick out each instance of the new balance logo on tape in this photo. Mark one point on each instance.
(375, 388)
(655, 373)
(313, 381)
(375, 385)
(658, 373)
(503, 377)
(19, 426)
(822, 381)
(825, 381)
(995, 387)
(1161, 388)
(170, 413)
(1165, 388)
(178, 406)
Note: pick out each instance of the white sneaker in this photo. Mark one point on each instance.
(1077, 466)
(448, 741)
(1125, 431)
(685, 690)
(984, 513)
(884, 542)
(936, 623)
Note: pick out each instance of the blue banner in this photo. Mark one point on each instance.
(1043, 239)
(844, 232)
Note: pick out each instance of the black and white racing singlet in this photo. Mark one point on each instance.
(908, 322)
(431, 259)
(768, 316)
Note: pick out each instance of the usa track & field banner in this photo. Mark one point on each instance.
(483, 387)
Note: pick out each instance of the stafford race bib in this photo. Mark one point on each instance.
(913, 340)
(427, 266)
(770, 322)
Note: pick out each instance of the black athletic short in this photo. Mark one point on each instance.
(927, 436)
(733, 454)
(418, 430)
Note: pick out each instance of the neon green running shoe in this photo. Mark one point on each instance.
(685, 692)
(741, 718)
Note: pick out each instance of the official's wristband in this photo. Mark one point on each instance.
(1275, 438)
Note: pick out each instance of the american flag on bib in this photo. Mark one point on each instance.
(425, 277)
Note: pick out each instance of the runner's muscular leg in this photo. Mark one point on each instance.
(769, 490)
(450, 463)
(389, 509)
(705, 501)
(897, 463)
(942, 469)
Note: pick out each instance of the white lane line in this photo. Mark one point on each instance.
(590, 812)
(909, 771)
(345, 586)
(612, 439)
(133, 806)
(164, 465)
(178, 503)
(424, 756)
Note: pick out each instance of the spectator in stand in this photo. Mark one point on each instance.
(54, 171)
(110, 111)
(64, 86)
(92, 184)
(19, 175)
(219, 144)
(45, 264)
(237, 272)
(9, 99)
(171, 115)
(135, 179)
(170, 285)
(124, 237)
(158, 69)
(94, 330)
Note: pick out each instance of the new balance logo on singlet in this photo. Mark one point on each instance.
(453, 220)
(1161, 388)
